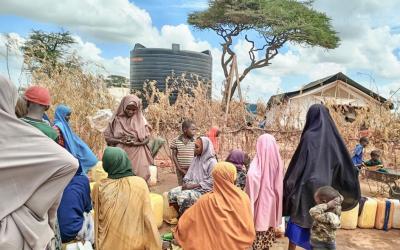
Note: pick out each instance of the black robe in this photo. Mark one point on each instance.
(321, 159)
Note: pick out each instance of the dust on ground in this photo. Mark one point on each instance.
(365, 239)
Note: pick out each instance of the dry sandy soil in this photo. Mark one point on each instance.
(346, 239)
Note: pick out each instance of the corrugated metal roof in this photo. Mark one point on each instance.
(324, 81)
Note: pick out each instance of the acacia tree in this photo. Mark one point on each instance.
(267, 25)
(46, 49)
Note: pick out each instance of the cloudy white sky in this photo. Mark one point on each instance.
(106, 31)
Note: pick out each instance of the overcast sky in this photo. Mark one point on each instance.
(107, 30)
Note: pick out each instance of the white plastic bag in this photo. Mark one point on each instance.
(80, 246)
(100, 119)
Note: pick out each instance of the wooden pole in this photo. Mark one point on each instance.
(239, 88)
(237, 79)
(230, 76)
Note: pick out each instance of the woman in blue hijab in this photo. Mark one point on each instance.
(74, 218)
(70, 141)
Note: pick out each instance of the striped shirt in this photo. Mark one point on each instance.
(185, 151)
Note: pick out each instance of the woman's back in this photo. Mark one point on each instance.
(320, 159)
(123, 215)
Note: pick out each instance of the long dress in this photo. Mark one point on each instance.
(134, 128)
(123, 215)
(321, 159)
(264, 186)
(220, 219)
(34, 171)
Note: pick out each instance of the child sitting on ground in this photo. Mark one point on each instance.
(326, 216)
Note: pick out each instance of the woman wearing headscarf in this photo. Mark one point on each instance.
(128, 129)
(70, 141)
(198, 179)
(33, 174)
(321, 159)
(74, 218)
(240, 159)
(123, 215)
(264, 187)
(213, 135)
(220, 219)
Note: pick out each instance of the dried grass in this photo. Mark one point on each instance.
(84, 92)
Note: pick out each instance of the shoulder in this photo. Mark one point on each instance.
(137, 182)
(213, 162)
(176, 140)
(204, 199)
(52, 133)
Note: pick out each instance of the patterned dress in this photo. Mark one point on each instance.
(264, 240)
(326, 222)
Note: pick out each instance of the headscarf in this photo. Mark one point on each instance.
(220, 219)
(124, 218)
(39, 95)
(78, 148)
(236, 157)
(74, 203)
(21, 108)
(212, 135)
(33, 174)
(116, 163)
(135, 126)
(264, 184)
(321, 159)
(200, 169)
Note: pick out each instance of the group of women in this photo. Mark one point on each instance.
(227, 217)
(45, 181)
(37, 176)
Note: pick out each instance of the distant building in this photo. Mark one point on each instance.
(338, 90)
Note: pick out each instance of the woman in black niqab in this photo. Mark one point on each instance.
(321, 159)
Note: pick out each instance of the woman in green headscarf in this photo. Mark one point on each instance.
(123, 216)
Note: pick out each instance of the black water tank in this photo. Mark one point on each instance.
(156, 64)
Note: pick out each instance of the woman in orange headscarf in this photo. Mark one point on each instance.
(129, 130)
(213, 135)
(220, 219)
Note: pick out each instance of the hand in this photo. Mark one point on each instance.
(130, 143)
(186, 186)
(334, 203)
(183, 171)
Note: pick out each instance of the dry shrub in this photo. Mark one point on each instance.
(84, 92)
(196, 105)
(193, 103)
(383, 126)
(382, 123)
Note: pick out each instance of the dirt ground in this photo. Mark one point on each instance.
(365, 239)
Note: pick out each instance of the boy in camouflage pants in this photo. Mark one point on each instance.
(326, 216)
